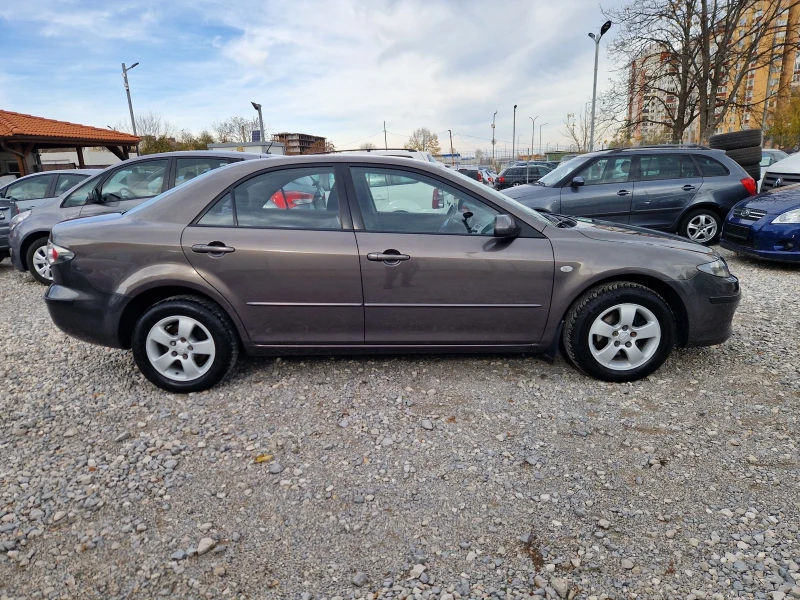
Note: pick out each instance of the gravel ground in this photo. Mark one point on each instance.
(403, 477)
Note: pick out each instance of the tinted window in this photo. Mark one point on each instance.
(139, 180)
(29, 189)
(422, 205)
(81, 193)
(67, 181)
(710, 167)
(688, 167)
(659, 166)
(288, 199)
(614, 169)
(187, 169)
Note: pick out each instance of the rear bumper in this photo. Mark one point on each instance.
(762, 239)
(711, 303)
(91, 317)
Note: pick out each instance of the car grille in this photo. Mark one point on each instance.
(737, 234)
(786, 179)
(751, 214)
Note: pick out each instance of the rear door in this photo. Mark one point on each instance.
(665, 186)
(128, 186)
(452, 282)
(606, 191)
(281, 249)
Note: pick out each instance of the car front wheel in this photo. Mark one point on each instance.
(618, 332)
(702, 226)
(37, 261)
(185, 344)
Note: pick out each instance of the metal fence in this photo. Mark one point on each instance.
(504, 156)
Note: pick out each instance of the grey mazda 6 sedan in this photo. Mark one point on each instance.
(352, 254)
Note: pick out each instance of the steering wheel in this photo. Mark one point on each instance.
(124, 193)
(450, 214)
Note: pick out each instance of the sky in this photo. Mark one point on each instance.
(335, 68)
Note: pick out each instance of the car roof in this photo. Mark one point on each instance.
(205, 153)
(59, 172)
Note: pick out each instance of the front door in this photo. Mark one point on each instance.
(605, 193)
(452, 282)
(665, 186)
(275, 248)
(128, 186)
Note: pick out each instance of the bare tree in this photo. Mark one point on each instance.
(691, 60)
(422, 139)
(236, 129)
(577, 130)
(149, 125)
(367, 146)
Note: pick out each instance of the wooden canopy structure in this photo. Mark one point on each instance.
(22, 135)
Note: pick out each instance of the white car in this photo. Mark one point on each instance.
(783, 172)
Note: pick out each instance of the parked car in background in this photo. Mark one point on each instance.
(202, 271)
(35, 189)
(784, 172)
(766, 226)
(768, 158)
(474, 173)
(8, 210)
(396, 152)
(684, 190)
(118, 188)
(513, 176)
(488, 177)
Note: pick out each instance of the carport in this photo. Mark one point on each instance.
(22, 136)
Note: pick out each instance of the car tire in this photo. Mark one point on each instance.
(179, 324)
(702, 225)
(746, 156)
(36, 259)
(597, 323)
(747, 138)
(753, 170)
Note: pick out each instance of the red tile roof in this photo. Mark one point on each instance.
(17, 125)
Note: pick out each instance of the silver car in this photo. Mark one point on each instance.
(33, 190)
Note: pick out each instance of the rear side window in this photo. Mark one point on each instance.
(221, 214)
(187, 169)
(659, 166)
(710, 167)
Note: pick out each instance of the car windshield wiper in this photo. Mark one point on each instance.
(563, 221)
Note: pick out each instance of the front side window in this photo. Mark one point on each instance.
(34, 188)
(614, 169)
(68, 181)
(710, 167)
(304, 198)
(421, 204)
(187, 169)
(139, 180)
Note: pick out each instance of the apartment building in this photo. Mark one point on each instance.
(300, 143)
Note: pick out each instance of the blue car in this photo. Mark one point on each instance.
(766, 226)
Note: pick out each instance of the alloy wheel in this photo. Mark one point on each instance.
(624, 337)
(701, 228)
(180, 348)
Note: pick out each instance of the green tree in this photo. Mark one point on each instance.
(785, 129)
(153, 145)
(422, 139)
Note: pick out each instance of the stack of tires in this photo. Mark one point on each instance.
(742, 146)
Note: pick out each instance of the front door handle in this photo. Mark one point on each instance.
(212, 248)
(623, 193)
(688, 188)
(388, 257)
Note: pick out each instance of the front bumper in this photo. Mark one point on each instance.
(14, 244)
(5, 244)
(762, 238)
(710, 304)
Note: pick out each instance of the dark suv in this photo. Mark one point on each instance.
(687, 190)
(520, 175)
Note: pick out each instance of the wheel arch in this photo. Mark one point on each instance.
(26, 244)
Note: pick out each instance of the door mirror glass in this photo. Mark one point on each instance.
(504, 226)
(577, 181)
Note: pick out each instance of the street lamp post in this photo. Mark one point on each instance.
(452, 157)
(514, 132)
(533, 131)
(128, 92)
(540, 137)
(494, 142)
(606, 26)
(260, 120)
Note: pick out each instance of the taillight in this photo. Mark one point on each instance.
(437, 201)
(480, 177)
(57, 254)
(501, 179)
(750, 185)
(287, 200)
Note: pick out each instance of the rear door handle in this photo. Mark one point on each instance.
(688, 188)
(212, 249)
(623, 193)
(384, 257)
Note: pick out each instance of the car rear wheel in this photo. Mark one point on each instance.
(620, 331)
(185, 344)
(702, 225)
(37, 261)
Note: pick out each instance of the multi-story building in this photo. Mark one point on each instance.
(299, 143)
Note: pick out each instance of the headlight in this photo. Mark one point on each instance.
(791, 216)
(718, 268)
(18, 219)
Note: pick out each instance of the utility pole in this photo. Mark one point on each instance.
(606, 26)
(452, 154)
(385, 143)
(128, 92)
(514, 133)
(533, 133)
(494, 142)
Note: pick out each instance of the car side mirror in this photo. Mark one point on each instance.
(505, 226)
(93, 197)
(577, 181)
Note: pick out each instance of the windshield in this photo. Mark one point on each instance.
(561, 170)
